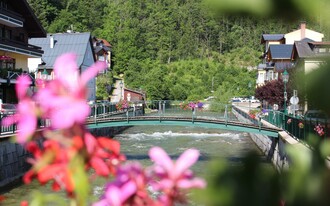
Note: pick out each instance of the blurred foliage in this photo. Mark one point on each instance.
(306, 182)
(307, 179)
(104, 86)
(248, 183)
(317, 85)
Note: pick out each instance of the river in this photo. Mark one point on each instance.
(136, 142)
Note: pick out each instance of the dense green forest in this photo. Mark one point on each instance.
(172, 49)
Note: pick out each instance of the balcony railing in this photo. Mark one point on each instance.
(10, 18)
(20, 47)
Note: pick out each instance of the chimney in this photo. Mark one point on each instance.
(303, 29)
(51, 41)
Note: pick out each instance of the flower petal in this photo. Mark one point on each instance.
(22, 85)
(100, 167)
(66, 116)
(92, 71)
(113, 195)
(128, 190)
(109, 144)
(160, 157)
(66, 69)
(186, 160)
(194, 183)
(90, 142)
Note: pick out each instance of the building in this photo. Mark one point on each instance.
(102, 50)
(18, 23)
(56, 44)
(309, 54)
(278, 52)
(302, 33)
(133, 95)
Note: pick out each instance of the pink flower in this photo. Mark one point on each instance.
(174, 176)
(26, 116)
(129, 188)
(63, 100)
(319, 129)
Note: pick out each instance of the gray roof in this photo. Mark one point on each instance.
(272, 37)
(281, 51)
(303, 49)
(63, 43)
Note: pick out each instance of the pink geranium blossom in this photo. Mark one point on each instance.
(129, 188)
(63, 100)
(26, 116)
(174, 176)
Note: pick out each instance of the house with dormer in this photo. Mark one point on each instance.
(17, 24)
(102, 50)
(278, 53)
(266, 65)
(309, 55)
(57, 44)
(303, 33)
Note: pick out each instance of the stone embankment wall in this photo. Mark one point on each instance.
(107, 132)
(12, 161)
(273, 148)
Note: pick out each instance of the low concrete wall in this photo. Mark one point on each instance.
(272, 148)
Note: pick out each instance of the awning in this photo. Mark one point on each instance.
(6, 58)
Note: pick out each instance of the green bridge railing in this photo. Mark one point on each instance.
(298, 126)
(163, 108)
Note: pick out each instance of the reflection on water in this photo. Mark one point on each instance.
(136, 142)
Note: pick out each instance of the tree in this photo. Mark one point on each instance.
(104, 86)
(273, 92)
(45, 10)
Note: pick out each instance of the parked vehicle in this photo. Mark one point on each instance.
(316, 115)
(7, 108)
(236, 99)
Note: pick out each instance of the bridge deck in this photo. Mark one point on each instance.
(182, 121)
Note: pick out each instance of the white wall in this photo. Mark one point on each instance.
(33, 64)
(296, 36)
(310, 65)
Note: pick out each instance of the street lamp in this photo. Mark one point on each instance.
(285, 77)
(250, 85)
(44, 75)
(121, 89)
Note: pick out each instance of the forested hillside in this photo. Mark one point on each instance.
(172, 49)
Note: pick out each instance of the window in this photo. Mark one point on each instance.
(322, 50)
(101, 58)
(271, 75)
(7, 62)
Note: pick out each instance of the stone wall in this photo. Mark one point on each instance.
(12, 161)
(272, 148)
(107, 132)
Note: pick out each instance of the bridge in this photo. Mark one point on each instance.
(175, 113)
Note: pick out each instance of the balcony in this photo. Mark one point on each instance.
(10, 18)
(20, 47)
